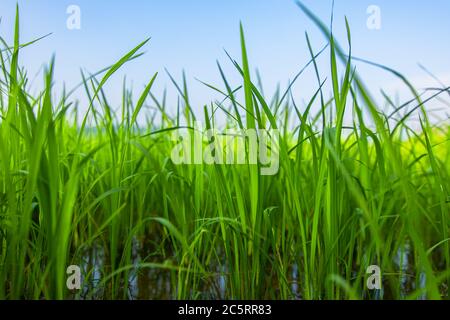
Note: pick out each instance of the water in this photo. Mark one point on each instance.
(155, 283)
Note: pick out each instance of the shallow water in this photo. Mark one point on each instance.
(145, 283)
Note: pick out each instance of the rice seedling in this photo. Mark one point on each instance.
(99, 190)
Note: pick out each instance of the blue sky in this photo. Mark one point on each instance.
(191, 35)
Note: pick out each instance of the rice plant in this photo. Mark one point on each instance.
(98, 189)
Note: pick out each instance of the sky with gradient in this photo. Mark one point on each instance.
(192, 35)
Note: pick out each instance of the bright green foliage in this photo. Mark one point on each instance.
(104, 194)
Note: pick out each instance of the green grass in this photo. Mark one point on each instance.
(100, 191)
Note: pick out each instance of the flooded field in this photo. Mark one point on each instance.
(332, 195)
